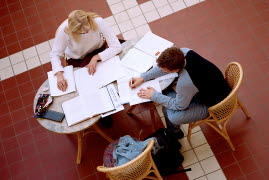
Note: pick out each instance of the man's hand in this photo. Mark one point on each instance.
(61, 81)
(146, 93)
(135, 82)
(92, 64)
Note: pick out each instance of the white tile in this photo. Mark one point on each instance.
(135, 11)
(126, 26)
(189, 158)
(191, 2)
(29, 53)
(110, 21)
(129, 3)
(110, 2)
(138, 21)
(202, 0)
(43, 47)
(16, 58)
(170, 1)
(115, 29)
(116, 8)
(185, 144)
(44, 58)
(152, 16)
(159, 110)
(164, 123)
(198, 139)
(178, 5)
(196, 171)
(186, 126)
(159, 3)
(165, 10)
(147, 6)
(128, 35)
(142, 30)
(4, 63)
(6, 73)
(20, 68)
(204, 151)
(33, 62)
(219, 175)
(202, 178)
(51, 42)
(210, 164)
(121, 17)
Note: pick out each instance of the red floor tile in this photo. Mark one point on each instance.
(232, 172)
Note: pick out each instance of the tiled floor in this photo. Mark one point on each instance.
(221, 31)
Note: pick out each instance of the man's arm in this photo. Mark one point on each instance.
(153, 73)
(185, 91)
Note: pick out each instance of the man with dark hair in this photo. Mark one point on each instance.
(200, 85)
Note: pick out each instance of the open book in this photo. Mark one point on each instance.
(106, 72)
(86, 106)
(144, 54)
(128, 94)
(68, 75)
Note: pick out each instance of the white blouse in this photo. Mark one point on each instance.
(63, 44)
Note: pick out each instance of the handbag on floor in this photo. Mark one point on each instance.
(168, 158)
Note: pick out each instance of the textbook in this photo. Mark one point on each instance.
(68, 75)
(106, 72)
(88, 105)
(144, 54)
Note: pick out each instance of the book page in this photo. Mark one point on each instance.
(152, 44)
(69, 76)
(106, 72)
(115, 100)
(138, 60)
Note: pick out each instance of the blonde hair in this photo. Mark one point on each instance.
(79, 21)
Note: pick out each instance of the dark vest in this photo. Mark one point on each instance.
(209, 80)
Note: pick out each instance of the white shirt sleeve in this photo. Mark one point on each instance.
(114, 46)
(58, 48)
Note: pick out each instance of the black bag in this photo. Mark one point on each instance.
(167, 159)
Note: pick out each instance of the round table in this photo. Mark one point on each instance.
(83, 127)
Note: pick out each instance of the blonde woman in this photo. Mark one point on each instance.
(85, 39)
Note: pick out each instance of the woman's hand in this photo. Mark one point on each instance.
(146, 93)
(92, 64)
(135, 82)
(61, 81)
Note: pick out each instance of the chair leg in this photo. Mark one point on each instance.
(189, 131)
(227, 137)
(79, 135)
(243, 108)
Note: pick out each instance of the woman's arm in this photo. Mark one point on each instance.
(58, 48)
(114, 46)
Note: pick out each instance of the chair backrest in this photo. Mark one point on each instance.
(226, 108)
(138, 168)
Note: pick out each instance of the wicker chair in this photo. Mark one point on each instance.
(220, 113)
(138, 168)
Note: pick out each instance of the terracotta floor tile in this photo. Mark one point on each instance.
(255, 175)
(248, 165)
(226, 158)
(10, 144)
(12, 93)
(7, 132)
(14, 156)
(232, 172)
(241, 152)
(25, 138)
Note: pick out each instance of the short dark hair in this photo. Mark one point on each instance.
(171, 59)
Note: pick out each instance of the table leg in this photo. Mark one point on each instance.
(79, 135)
(152, 116)
(129, 111)
(97, 129)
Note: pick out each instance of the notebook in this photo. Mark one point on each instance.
(106, 72)
(130, 95)
(68, 75)
(87, 105)
(144, 54)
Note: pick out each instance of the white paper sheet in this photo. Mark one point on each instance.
(69, 76)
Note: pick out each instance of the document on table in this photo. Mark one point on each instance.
(130, 95)
(106, 72)
(68, 75)
(87, 105)
(115, 100)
